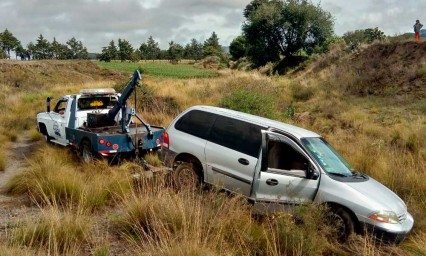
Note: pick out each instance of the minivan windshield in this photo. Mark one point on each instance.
(328, 157)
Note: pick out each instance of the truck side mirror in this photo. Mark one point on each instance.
(48, 104)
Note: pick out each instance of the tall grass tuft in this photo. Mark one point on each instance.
(58, 178)
(57, 230)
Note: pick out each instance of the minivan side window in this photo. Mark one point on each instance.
(284, 159)
(197, 123)
(237, 135)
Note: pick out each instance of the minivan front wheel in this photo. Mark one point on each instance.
(185, 176)
(344, 223)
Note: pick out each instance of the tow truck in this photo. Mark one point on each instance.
(98, 123)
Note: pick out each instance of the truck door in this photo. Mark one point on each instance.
(286, 174)
(232, 154)
(59, 115)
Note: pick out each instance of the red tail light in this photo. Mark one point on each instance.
(108, 144)
(165, 138)
(101, 141)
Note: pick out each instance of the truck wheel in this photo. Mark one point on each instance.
(86, 152)
(186, 177)
(47, 138)
(344, 223)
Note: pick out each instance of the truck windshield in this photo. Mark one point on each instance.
(88, 103)
(328, 157)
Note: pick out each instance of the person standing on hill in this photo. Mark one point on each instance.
(417, 28)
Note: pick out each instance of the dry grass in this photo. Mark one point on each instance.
(383, 136)
(158, 221)
(57, 178)
(57, 230)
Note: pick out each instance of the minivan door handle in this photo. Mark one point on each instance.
(272, 182)
(243, 161)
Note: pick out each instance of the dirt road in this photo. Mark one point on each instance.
(14, 208)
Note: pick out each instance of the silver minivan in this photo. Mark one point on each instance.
(272, 163)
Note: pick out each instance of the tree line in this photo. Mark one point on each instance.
(150, 50)
(124, 51)
(42, 48)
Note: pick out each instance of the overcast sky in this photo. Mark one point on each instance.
(97, 22)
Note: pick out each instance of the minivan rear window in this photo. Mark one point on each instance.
(197, 123)
(237, 135)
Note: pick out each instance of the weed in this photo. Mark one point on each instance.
(152, 159)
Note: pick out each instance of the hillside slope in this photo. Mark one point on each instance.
(36, 74)
(379, 69)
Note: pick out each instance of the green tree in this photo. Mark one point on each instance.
(31, 49)
(152, 49)
(238, 47)
(77, 50)
(105, 55)
(8, 42)
(60, 51)
(175, 52)
(276, 28)
(135, 56)
(143, 51)
(163, 55)
(193, 50)
(125, 50)
(211, 46)
(355, 37)
(42, 49)
(109, 53)
(374, 34)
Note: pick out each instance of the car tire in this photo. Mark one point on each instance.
(344, 223)
(185, 176)
(86, 152)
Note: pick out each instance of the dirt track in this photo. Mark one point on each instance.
(13, 208)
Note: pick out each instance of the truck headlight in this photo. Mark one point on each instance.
(385, 217)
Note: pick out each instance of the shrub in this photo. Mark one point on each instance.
(300, 92)
(250, 102)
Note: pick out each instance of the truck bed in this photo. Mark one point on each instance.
(124, 142)
(111, 130)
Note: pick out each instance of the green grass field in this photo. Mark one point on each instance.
(160, 69)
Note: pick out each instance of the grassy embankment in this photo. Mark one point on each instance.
(381, 134)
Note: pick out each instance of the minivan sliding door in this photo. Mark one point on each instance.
(232, 154)
(286, 174)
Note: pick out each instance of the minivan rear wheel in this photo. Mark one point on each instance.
(186, 177)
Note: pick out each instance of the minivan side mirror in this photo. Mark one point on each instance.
(311, 172)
